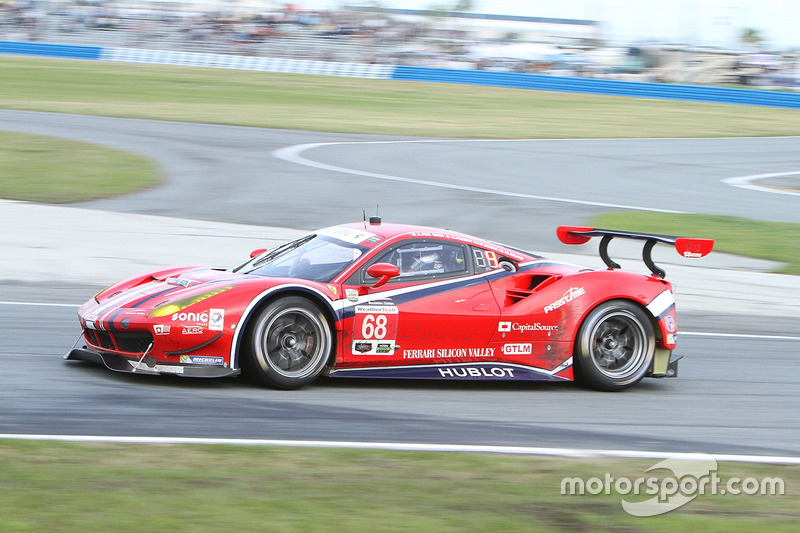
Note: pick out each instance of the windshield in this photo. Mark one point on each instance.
(313, 257)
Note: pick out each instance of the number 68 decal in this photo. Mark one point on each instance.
(375, 330)
(374, 327)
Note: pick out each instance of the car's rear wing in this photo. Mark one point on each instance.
(686, 247)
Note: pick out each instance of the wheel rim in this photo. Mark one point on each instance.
(293, 343)
(618, 345)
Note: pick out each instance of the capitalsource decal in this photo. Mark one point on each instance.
(506, 327)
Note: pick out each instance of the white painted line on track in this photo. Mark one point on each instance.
(738, 335)
(746, 182)
(39, 304)
(408, 446)
(292, 154)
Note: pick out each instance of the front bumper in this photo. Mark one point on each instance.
(149, 366)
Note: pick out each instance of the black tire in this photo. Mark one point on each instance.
(288, 344)
(615, 346)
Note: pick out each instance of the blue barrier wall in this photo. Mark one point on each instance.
(50, 50)
(472, 77)
(540, 82)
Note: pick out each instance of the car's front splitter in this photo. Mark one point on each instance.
(149, 366)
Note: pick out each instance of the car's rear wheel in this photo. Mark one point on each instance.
(289, 344)
(615, 346)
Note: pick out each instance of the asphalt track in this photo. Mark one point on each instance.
(735, 395)
(231, 174)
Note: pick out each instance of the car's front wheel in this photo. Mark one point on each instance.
(289, 343)
(615, 346)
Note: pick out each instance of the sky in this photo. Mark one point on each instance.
(696, 22)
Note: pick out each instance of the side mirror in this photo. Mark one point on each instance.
(254, 253)
(383, 272)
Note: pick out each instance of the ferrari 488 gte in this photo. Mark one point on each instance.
(377, 300)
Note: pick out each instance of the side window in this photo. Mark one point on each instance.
(426, 260)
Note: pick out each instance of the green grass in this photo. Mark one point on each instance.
(63, 487)
(741, 236)
(45, 169)
(324, 103)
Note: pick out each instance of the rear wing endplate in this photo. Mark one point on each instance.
(686, 247)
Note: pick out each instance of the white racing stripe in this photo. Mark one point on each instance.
(409, 446)
(737, 335)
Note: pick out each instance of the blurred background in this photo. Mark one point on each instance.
(712, 42)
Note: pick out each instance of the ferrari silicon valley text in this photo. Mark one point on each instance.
(445, 353)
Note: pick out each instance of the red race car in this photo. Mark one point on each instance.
(394, 301)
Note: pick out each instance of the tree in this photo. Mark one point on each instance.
(751, 36)
(464, 6)
(437, 10)
(460, 6)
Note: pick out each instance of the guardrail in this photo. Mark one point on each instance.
(360, 70)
